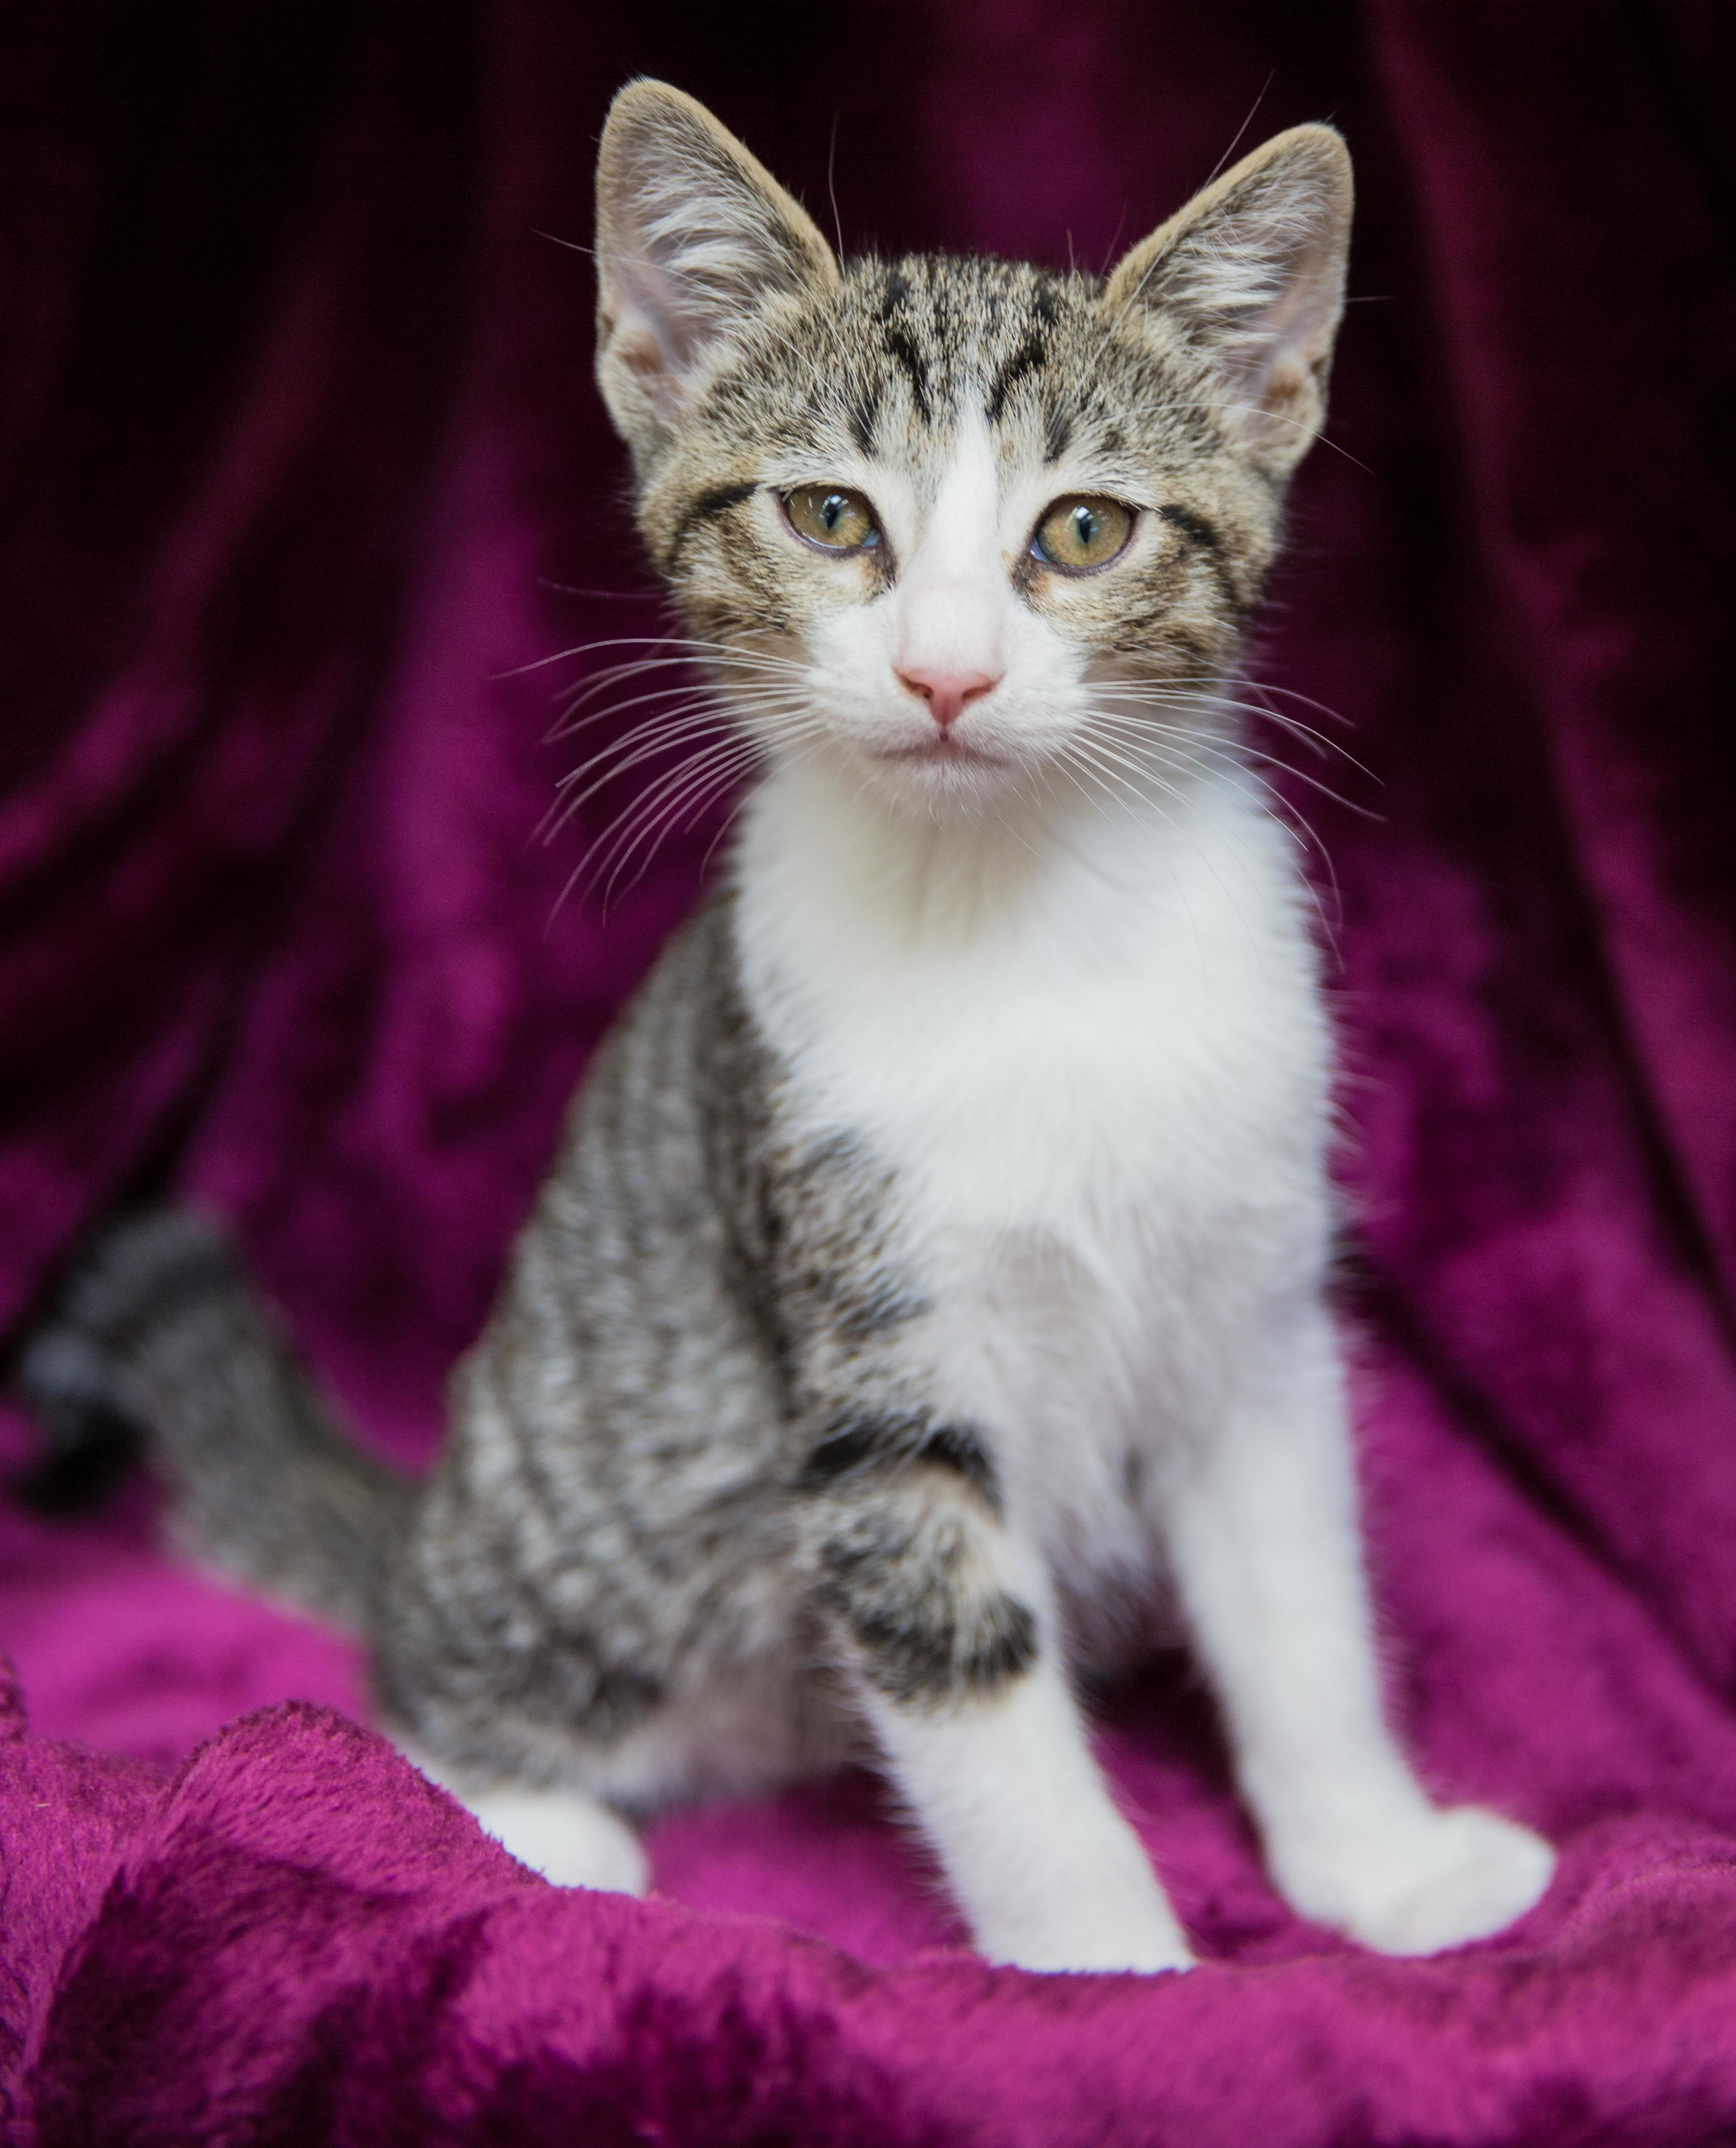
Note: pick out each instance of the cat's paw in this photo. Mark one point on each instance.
(568, 1838)
(1437, 1879)
(1141, 1935)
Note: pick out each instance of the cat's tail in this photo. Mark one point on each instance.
(158, 1332)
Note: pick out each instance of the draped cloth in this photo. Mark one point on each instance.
(301, 469)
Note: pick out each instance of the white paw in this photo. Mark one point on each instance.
(1137, 1934)
(1435, 1880)
(566, 1836)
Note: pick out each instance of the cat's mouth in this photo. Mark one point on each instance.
(943, 750)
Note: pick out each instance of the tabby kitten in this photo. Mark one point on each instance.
(930, 1293)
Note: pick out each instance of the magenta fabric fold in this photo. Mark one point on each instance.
(308, 516)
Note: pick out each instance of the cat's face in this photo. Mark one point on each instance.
(961, 526)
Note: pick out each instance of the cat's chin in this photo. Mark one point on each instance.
(956, 784)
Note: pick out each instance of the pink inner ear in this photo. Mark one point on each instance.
(649, 334)
(633, 342)
(1277, 356)
(693, 237)
(1292, 365)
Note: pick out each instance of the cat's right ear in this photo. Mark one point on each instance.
(694, 237)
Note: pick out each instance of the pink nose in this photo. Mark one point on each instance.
(947, 693)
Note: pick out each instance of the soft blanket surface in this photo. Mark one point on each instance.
(300, 467)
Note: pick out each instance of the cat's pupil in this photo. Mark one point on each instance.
(831, 512)
(1085, 527)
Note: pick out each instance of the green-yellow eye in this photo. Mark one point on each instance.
(1080, 534)
(829, 516)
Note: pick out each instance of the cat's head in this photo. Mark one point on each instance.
(959, 523)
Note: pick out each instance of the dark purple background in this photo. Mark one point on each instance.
(296, 430)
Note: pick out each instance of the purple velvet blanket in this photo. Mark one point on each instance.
(299, 465)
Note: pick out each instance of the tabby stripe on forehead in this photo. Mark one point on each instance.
(864, 417)
(909, 360)
(706, 509)
(901, 346)
(1024, 360)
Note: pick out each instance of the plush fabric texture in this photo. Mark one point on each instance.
(301, 465)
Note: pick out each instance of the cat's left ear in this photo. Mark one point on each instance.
(694, 239)
(1251, 277)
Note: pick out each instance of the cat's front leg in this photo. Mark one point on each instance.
(1263, 1525)
(941, 1625)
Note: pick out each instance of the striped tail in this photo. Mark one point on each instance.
(157, 1334)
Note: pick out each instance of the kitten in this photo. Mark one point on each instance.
(931, 1286)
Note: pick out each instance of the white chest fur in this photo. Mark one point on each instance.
(1092, 1057)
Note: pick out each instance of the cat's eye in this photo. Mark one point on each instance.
(830, 516)
(1082, 533)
